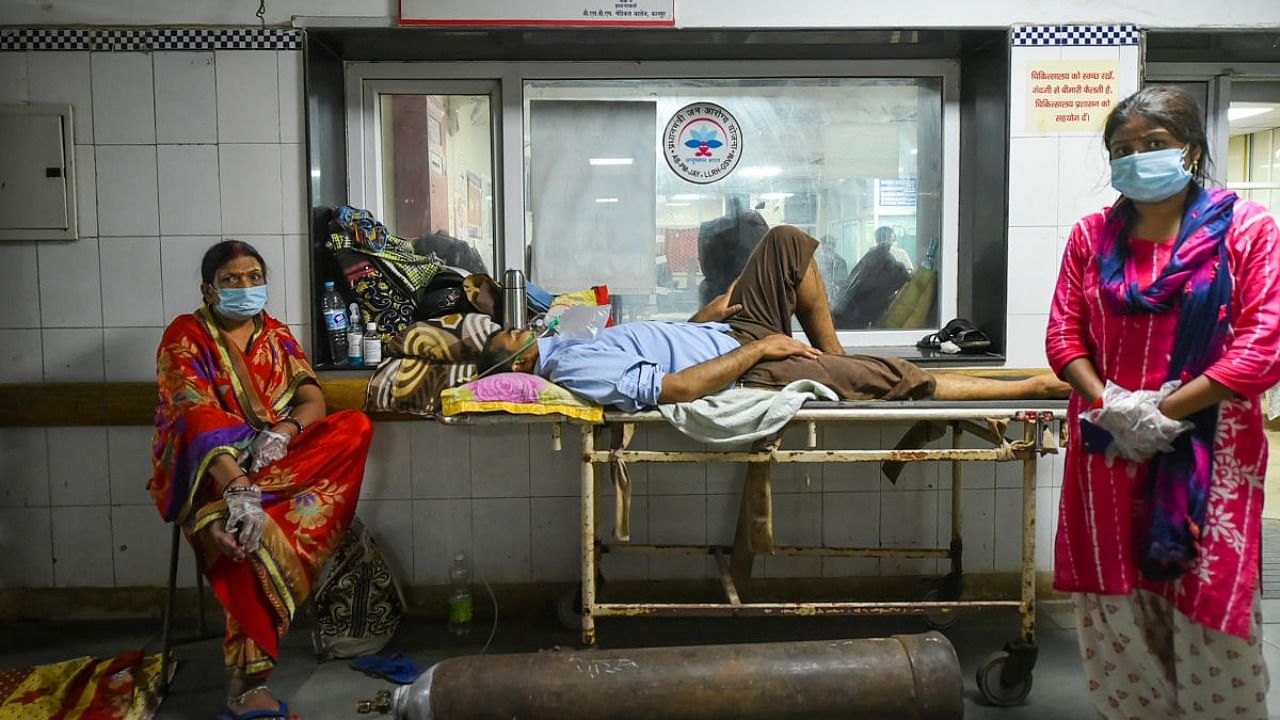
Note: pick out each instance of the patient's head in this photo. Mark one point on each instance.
(884, 235)
(509, 351)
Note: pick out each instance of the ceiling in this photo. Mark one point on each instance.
(1255, 121)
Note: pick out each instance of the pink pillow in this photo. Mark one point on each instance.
(508, 387)
(519, 393)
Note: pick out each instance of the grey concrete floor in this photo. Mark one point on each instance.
(323, 691)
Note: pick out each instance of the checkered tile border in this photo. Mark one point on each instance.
(150, 39)
(1097, 35)
(1035, 35)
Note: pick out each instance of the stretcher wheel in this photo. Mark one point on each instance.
(938, 619)
(991, 682)
(569, 609)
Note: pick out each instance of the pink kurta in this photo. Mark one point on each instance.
(1098, 532)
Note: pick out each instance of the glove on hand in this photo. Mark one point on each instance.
(266, 448)
(1133, 418)
(245, 517)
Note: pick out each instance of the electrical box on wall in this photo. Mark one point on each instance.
(37, 173)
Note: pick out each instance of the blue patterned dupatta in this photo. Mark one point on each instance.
(1198, 274)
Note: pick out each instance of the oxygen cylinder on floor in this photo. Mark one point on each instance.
(904, 677)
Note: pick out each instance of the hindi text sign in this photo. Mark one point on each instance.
(1070, 95)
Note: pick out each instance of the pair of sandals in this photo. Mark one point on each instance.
(957, 336)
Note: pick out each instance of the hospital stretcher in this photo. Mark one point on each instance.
(1008, 431)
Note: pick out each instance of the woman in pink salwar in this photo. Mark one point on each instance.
(1166, 322)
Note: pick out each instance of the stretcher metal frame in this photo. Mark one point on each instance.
(1003, 679)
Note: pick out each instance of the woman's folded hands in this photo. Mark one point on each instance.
(1137, 427)
(267, 447)
(245, 516)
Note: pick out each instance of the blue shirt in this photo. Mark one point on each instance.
(625, 364)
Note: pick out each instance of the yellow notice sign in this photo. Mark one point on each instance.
(1070, 95)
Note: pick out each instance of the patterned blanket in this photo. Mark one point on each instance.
(428, 357)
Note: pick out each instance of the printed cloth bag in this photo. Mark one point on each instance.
(357, 602)
(387, 277)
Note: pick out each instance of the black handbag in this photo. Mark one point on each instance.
(444, 295)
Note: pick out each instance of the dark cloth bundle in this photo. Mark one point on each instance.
(454, 252)
(871, 286)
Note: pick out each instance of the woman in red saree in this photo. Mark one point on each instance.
(262, 479)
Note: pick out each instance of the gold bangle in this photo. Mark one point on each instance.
(294, 421)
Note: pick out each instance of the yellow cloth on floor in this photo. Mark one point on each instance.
(86, 688)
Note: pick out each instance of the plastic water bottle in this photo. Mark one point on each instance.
(372, 345)
(460, 597)
(355, 338)
(335, 322)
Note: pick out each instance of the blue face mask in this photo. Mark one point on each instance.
(241, 303)
(1150, 176)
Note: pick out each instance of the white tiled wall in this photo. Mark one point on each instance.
(176, 150)
(518, 520)
(1054, 180)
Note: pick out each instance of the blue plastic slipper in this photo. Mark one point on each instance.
(396, 667)
(280, 712)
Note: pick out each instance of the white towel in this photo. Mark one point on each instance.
(740, 415)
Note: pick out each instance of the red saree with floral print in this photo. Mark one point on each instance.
(213, 400)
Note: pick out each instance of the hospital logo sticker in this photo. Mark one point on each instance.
(702, 143)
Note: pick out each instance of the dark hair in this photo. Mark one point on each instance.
(491, 357)
(1171, 108)
(224, 252)
(884, 235)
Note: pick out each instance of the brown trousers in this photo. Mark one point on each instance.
(767, 291)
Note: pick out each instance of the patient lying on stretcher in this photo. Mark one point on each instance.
(742, 336)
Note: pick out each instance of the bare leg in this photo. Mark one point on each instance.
(815, 313)
(954, 386)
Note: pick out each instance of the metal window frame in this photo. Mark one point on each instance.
(1219, 78)
(504, 82)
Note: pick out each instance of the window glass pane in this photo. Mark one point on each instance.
(436, 175)
(854, 162)
(612, 198)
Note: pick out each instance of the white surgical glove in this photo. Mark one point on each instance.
(245, 517)
(1160, 429)
(267, 447)
(1133, 418)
